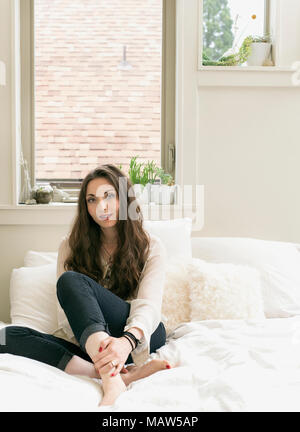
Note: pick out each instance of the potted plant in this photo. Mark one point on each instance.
(151, 183)
(42, 194)
(167, 188)
(260, 50)
(137, 176)
(254, 50)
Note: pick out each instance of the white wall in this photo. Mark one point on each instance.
(238, 135)
(16, 240)
(242, 143)
(289, 31)
(248, 160)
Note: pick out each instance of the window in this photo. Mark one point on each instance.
(226, 24)
(95, 77)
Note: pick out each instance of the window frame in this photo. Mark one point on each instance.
(267, 27)
(168, 83)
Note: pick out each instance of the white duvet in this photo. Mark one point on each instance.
(224, 365)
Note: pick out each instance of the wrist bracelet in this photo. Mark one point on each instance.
(134, 339)
(126, 337)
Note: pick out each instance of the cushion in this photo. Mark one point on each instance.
(176, 302)
(34, 258)
(277, 262)
(224, 291)
(33, 297)
(175, 235)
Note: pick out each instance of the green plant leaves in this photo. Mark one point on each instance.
(147, 173)
(240, 57)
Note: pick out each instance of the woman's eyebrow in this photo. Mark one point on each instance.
(110, 190)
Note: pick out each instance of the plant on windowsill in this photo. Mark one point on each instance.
(255, 50)
(150, 182)
(260, 50)
(42, 194)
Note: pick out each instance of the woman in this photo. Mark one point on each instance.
(110, 277)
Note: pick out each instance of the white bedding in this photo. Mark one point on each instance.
(224, 365)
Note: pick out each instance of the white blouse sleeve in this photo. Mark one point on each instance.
(63, 323)
(145, 310)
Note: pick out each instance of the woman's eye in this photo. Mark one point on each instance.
(110, 195)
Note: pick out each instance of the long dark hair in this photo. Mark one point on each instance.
(86, 236)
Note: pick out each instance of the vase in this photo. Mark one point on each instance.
(260, 52)
(26, 186)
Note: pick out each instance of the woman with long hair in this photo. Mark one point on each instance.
(110, 278)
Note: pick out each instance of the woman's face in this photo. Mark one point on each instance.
(102, 202)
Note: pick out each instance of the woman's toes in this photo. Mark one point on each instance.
(167, 365)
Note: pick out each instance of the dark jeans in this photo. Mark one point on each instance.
(89, 308)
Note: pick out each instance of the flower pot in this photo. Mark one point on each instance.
(154, 193)
(142, 193)
(260, 52)
(145, 197)
(138, 190)
(167, 193)
(44, 197)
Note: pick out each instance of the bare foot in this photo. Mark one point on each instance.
(112, 387)
(138, 372)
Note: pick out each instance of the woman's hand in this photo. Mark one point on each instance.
(112, 349)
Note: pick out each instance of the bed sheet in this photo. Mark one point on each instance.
(223, 365)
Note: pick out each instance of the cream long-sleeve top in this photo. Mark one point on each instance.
(145, 309)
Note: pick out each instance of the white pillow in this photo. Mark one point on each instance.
(277, 262)
(175, 235)
(176, 301)
(34, 258)
(224, 291)
(33, 297)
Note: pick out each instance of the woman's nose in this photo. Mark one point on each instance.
(103, 205)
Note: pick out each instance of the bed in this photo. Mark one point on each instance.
(225, 363)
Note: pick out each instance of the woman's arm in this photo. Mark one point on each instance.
(145, 310)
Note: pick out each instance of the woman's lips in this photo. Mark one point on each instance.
(105, 217)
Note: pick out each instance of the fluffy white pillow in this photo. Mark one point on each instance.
(175, 235)
(33, 297)
(176, 302)
(277, 262)
(224, 291)
(34, 258)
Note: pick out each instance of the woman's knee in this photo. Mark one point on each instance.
(65, 283)
(158, 338)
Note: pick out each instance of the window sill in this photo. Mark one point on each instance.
(64, 213)
(246, 76)
(247, 68)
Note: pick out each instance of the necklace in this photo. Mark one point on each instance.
(107, 268)
(109, 255)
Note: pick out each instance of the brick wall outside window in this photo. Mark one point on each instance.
(87, 110)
